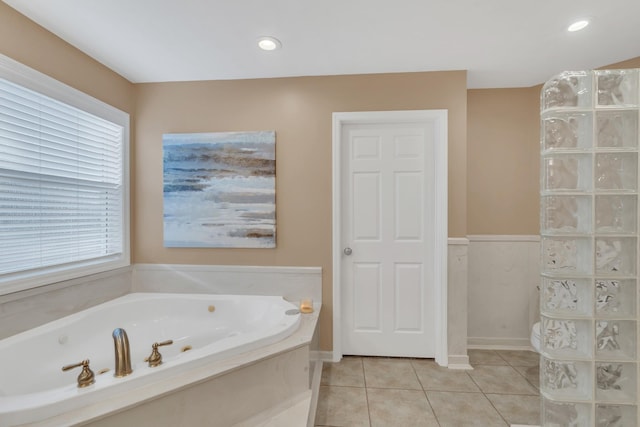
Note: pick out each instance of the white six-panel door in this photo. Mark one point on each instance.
(387, 237)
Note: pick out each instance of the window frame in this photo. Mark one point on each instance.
(29, 78)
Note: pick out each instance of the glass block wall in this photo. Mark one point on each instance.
(589, 249)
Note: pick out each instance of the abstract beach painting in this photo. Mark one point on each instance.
(219, 189)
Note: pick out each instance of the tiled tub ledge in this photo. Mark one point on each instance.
(273, 384)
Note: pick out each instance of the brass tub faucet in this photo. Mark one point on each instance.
(122, 353)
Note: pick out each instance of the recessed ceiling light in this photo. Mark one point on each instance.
(269, 43)
(578, 25)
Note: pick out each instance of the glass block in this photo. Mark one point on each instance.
(565, 414)
(616, 214)
(570, 89)
(566, 214)
(567, 130)
(616, 382)
(617, 88)
(616, 298)
(617, 129)
(566, 172)
(616, 339)
(616, 415)
(566, 255)
(616, 256)
(566, 338)
(570, 380)
(567, 296)
(616, 171)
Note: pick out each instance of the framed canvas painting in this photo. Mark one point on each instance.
(219, 189)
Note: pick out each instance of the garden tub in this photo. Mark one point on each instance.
(203, 328)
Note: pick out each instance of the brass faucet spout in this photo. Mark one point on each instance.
(122, 353)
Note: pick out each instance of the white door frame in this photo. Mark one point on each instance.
(439, 120)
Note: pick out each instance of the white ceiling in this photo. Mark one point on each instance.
(502, 43)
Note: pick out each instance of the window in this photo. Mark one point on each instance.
(63, 181)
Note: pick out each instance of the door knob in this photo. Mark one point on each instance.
(347, 251)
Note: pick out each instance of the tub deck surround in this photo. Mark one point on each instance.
(25, 310)
(50, 397)
(293, 283)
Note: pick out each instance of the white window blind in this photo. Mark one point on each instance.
(61, 183)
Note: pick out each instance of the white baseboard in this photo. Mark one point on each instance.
(323, 356)
(483, 343)
(459, 362)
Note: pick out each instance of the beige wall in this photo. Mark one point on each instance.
(629, 63)
(299, 110)
(503, 147)
(503, 165)
(24, 41)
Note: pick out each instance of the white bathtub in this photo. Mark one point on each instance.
(33, 386)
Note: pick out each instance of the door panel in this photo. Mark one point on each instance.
(387, 200)
(408, 206)
(366, 206)
(367, 287)
(408, 298)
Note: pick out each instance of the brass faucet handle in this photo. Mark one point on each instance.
(86, 377)
(155, 358)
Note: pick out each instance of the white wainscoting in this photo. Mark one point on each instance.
(503, 298)
(457, 272)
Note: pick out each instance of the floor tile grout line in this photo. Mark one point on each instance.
(520, 374)
(496, 409)
(364, 372)
(366, 391)
(366, 394)
(454, 392)
(417, 376)
(424, 391)
(431, 406)
(489, 400)
(343, 386)
(526, 366)
(527, 379)
(485, 395)
(474, 381)
(508, 394)
(506, 361)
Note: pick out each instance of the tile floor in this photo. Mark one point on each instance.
(501, 390)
